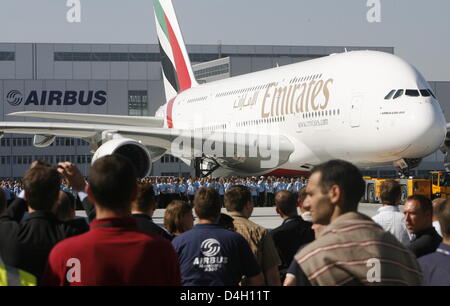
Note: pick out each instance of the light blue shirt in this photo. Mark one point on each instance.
(191, 189)
(221, 189)
(261, 186)
(162, 188)
(182, 188)
(270, 188)
(298, 186)
(170, 188)
(156, 189)
(253, 188)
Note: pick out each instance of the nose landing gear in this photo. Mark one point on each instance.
(404, 165)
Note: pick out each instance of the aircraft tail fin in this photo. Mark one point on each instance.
(177, 70)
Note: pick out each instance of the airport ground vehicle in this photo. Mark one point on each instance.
(436, 186)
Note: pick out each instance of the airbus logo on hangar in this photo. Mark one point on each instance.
(57, 97)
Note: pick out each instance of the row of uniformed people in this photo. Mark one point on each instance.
(262, 191)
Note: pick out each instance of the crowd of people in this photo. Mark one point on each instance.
(167, 189)
(262, 189)
(323, 239)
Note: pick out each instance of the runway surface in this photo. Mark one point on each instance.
(265, 216)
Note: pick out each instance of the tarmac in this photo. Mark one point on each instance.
(264, 216)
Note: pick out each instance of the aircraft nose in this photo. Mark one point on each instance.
(428, 127)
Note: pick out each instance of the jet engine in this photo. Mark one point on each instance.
(135, 151)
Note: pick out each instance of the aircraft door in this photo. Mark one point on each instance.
(356, 107)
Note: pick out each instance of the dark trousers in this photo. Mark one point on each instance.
(261, 199)
(270, 200)
(255, 200)
(191, 199)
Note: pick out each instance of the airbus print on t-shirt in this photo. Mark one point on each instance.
(209, 262)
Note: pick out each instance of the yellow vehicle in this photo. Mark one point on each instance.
(437, 186)
(440, 181)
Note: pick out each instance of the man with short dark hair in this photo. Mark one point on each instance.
(64, 210)
(142, 209)
(436, 266)
(239, 205)
(293, 232)
(114, 251)
(418, 211)
(26, 244)
(351, 243)
(211, 255)
(389, 216)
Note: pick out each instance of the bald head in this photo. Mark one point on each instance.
(286, 203)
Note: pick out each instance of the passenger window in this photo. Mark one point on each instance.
(390, 94)
(399, 93)
(412, 93)
(425, 93)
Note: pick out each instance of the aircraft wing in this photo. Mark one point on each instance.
(186, 142)
(97, 118)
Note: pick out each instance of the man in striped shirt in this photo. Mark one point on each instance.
(352, 249)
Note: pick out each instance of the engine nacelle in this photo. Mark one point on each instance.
(136, 152)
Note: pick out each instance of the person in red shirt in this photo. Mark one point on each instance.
(114, 251)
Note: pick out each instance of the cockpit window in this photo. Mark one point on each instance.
(412, 93)
(431, 92)
(390, 94)
(399, 93)
(425, 93)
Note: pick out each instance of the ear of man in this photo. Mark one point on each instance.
(335, 194)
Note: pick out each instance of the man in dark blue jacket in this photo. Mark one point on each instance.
(293, 232)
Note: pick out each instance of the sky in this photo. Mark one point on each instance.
(419, 30)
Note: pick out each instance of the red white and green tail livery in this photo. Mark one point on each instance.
(177, 70)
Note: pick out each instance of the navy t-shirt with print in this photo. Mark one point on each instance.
(214, 256)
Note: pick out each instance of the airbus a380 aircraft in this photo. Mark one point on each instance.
(370, 108)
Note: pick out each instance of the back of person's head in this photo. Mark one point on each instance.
(443, 216)
(302, 194)
(436, 205)
(113, 182)
(346, 176)
(426, 206)
(145, 199)
(237, 197)
(64, 208)
(41, 162)
(207, 203)
(390, 192)
(226, 221)
(3, 201)
(41, 184)
(174, 214)
(286, 203)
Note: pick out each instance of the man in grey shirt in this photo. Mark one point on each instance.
(389, 216)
